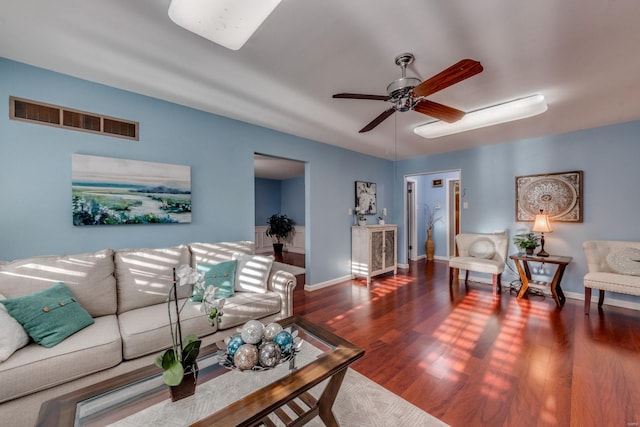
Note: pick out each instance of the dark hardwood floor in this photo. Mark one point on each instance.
(472, 360)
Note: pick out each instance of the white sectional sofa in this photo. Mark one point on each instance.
(613, 266)
(125, 292)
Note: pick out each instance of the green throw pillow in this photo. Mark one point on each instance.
(49, 316)
(221, 276)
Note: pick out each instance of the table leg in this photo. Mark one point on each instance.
(524, 278)
(325, 403)
(556, 289)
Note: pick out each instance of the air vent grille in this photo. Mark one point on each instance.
(53, 115)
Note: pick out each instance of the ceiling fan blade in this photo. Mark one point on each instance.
(375, 122)
(439, 111)
(360, 96)
(452, 75)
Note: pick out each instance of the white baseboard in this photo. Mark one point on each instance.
(327, 283)
(573, 295)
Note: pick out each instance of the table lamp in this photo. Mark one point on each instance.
(541, 225)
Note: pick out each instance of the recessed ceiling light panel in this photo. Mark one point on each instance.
(229, 23)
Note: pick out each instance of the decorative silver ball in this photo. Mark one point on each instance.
(252, 332)
(269, 354)
(271, 330)
(246, 357)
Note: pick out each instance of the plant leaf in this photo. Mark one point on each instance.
(174, 374)
(190, 353)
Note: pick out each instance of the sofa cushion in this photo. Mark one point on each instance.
(35, 367)
(89, 276)
(625, 261)
(49, 316)
(246, 306)
(145, 276)
(252, 272)
(146, 330)
(212, 253)
(12, 334)
(221, 276)
(614, 282)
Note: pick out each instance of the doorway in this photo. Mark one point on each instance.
(279, 189)
(440, 191)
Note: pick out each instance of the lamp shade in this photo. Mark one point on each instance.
(541, 224)
(229, 23)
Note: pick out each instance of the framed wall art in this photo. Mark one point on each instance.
(110, 191)
(366, 197)
(436, 183)
(559, 195)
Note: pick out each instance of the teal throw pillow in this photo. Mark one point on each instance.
(49, 316)
(221, 275)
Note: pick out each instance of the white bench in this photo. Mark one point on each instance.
(613, 266)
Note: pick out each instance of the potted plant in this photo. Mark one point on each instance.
(179, 361)
(280, 227)
(527, 241)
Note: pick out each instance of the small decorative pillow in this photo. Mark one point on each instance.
(12, 335)
(49, 316)
(482, 248)
(221, 275)
(625, 261)
(252, 272)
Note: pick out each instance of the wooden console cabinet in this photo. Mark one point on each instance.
(373, 250)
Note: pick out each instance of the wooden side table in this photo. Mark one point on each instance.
(522, 263)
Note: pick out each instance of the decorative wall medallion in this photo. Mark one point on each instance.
(558, 194)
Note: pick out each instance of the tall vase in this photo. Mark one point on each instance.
(429, 246)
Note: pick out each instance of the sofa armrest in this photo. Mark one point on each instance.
(283, 283)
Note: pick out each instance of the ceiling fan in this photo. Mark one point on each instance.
(408, 93)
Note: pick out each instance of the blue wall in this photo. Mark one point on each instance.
(292, 197)
(268, 199)
(35, 177)
(608, 156)
(280, 196)
(35, 174)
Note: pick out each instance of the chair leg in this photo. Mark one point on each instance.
(466, 276)
(495, 283)
(587, 300)
(451, 273)
(601, 298)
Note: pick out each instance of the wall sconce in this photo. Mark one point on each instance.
(541, 225)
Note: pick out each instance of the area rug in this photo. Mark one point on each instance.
(289, 268)
(360, 401)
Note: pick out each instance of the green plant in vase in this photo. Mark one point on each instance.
(183, 353)
(527, 241)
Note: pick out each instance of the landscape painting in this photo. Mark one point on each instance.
(108, 191)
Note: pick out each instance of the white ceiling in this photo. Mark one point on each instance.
(581, 55)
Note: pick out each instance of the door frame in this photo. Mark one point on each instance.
(411, 220)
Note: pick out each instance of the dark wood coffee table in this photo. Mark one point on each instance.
(128, 394)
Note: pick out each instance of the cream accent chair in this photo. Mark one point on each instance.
(601, 256)
(482, 253)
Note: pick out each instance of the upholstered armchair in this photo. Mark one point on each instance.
(613, 266)
(482, 253)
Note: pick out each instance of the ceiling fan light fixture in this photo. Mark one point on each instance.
(502, 113)
(228, 23)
